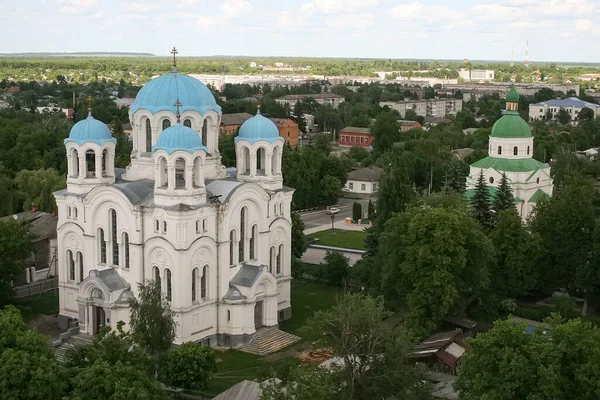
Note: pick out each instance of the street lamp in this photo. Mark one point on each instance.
(332, 220)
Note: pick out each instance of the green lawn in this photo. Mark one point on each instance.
(341, 238)
(32, 306)
(234, 366)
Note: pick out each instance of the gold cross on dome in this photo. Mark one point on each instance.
(174, 52)
(177, 104)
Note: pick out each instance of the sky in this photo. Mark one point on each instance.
(557, 30)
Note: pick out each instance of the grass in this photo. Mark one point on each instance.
(235, 366)
(341, 238)
(35, 305)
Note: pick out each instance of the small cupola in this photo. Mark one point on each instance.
(90, 154)
(512, 100)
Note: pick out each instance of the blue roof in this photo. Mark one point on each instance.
(569, 102)
(258, 128)
(179, 137)
(90, 130)
(161, 94)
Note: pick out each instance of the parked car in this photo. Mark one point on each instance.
(333, 210)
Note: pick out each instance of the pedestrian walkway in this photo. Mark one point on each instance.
(337, 225)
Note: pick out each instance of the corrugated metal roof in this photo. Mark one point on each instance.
(354, 129)
(245, 390)
(246, 276)
(568, 102)
(371, 174)
(112, 280)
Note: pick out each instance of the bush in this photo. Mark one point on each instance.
(190, 366)
(534, 313)
(356, 211)
(565, 306)
(335, 269)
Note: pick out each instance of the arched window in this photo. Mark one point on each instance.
(126, 249)
(157, 279)
(279, 259)
(180, 173)
(166, 123)
(260, 161)
(537, 180)
(90, 163)
(245, 167)
(71, 262)
(197, 172)
(74, 163)
(228, 315)
(188, 122)
(194, 279)
(164, 226)
(275, 161)
(163, 173)
(169, 288)
(102, 244)
(197, 226)
(203, 281)
(232, 247)
(274, 209)
(491, 179)
(271, 259)
(148, 136)
(204, 228)
(499, 150)
(105, 157)
(280, 208)
(242, 234)
(68, 212)
(515, 151)
(80, 262)
(527, 150)
(156, 225)
(75, 213)
(113, 237)
(205, 131)
(253, 242)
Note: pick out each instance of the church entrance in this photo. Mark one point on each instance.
(258, 315)
(99, 318)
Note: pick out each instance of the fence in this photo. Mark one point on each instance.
(36, 287)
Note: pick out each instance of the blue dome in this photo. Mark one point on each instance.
(161, 94)
(258, 128)
(90, 130)
(179, 137)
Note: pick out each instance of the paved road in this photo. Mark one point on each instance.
(314, 219)
(317, 256)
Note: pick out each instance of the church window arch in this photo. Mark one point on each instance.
(280, 208)
(180, 173)
(242, 240)
(187, 122)
(74, 163)
(198, 226)
(105, 158)
(126, 249)
(279, 259)
(499, 150)
(75, 213)
(164, 226)
(275, 161)
(245, 167)
(253, 237)
(205, 132)
(166, 123)
(97, 294)
(203, 283)
(228, 315)
(261, 155)
(148, 136)
(156, 275)
(168, 284)
(491, 179)
(527, 150)
(275, 209)
(194, 284)
(80, 262)
(113, 236)
(537, 180)
(156, 225)
(232, 247)
(196, 172)
(90, 163)
(271, 258)
(102, 245)
(204, 225)
(515, 151)
(68, 212)
(163, 173)
(71, 262)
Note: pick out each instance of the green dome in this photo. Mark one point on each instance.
(512, 96)
(511, 125)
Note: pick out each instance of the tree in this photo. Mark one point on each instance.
(517, 251)
(480, 203)
(304, 383)
(335, 269)
(456, 176)
(374, 354)
(506, 363)
(227, 149)
(563, 116)
(331, 189)
(299, 244)
(385, 131)
(124, 145)
(435, 259)
(152, 324)
(356, 211)
(15, 248)
(105, 381)
(37, 187)
(322, 142)
(503, 199)
(190, 366)
(586, 114)
(371, 210)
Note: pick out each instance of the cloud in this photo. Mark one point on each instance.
(76, 6)
(351, 21)
(142, 7)
(557, 8)
(418, 12)
(235, 8)
(187, 3)
(498, 12)
(204, 22)
(348, 7)
(583, 25)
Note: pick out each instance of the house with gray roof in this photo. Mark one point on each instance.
(363, 181)
(549, 109)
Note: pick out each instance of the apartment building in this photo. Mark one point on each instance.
(426, 108)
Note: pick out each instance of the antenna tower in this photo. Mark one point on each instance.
(527, 53)
(512, 56)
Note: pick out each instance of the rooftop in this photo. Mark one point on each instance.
(311, 96)
(353, 129)
(568, 102)
(370, 174)
(510, 165)
(235, 118)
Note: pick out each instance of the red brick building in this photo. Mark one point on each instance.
(352, 136)
(288, 130)
(406, 126)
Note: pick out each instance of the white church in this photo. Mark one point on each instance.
(218, 240)
(511, 153)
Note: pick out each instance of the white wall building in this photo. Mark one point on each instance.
(426, 108)
(332, 99)
(217, 240)
(363, 180)
(511, 153)
(551, 107)
(476, 75)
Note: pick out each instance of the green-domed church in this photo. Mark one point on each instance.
(511, 153)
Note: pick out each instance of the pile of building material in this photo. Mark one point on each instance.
(316, 357)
